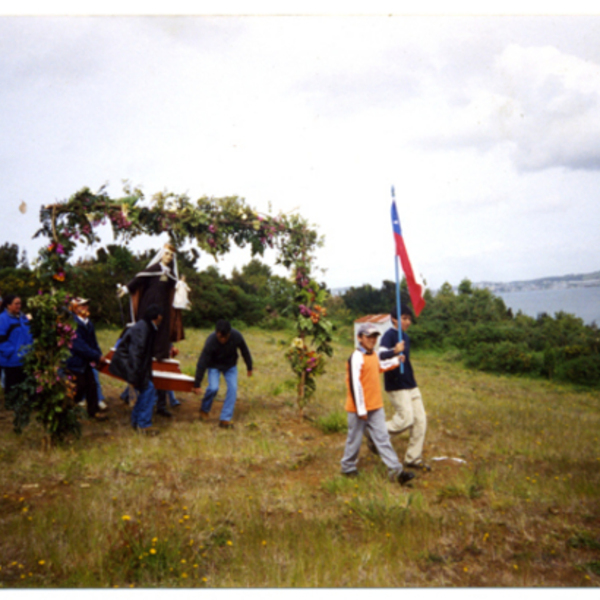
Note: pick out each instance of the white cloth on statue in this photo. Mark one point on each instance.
(181, 299)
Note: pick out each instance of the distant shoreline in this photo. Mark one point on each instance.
(583, 302)
(565, 282)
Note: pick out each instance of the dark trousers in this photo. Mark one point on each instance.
(12, 376)
(85, 386)
(161, 400)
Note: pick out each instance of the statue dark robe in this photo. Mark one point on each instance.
(152, 286)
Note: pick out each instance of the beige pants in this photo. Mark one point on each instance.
(409, 414)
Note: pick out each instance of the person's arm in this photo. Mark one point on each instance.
(356, 388)
(6, 348)
(390, 363)
(137, 348)
(246, 354)
(202, 363)
(388, 345)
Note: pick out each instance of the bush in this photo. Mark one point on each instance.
(505, 357)
(584, 370)
(276, 323)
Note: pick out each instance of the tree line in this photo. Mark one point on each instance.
(250, 296)
(472, 324)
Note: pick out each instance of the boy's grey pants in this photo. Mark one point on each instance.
(375, 424)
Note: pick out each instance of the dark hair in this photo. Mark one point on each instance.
(152, 312)
(404, 310)
(7, 301)
(223, 327)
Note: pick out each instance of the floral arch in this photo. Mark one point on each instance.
(214, 224)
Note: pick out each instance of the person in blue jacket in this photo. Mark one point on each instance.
(15, 340)
(85, 355)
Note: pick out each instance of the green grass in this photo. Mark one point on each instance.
(264, 505)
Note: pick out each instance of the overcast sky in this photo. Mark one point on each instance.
(488, 127)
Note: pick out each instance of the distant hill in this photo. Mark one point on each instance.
(545, 283)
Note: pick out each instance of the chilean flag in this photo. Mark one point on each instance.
(415, 285)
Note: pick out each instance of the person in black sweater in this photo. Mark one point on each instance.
(220, 355)
(132, 361)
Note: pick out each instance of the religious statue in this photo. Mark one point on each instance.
(156, 285)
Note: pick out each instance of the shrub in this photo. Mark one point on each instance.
(505, 357)
(584, 370)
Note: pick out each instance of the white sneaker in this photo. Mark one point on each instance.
(82, 404)
(102, 405)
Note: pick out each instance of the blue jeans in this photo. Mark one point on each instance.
(141, 415)
(231, 380)
(98, 386)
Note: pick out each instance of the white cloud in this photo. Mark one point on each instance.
(541, 104)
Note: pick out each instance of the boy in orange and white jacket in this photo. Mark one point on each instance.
(364, 405)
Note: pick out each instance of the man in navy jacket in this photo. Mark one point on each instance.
(85, 355)
(404, 394)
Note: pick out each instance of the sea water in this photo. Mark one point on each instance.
(583, 302)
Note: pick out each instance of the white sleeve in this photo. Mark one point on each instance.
(356, 365)
(389, 363)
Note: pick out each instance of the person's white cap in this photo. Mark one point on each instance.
(368, 329)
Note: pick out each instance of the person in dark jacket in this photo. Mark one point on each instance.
(132, 361)
(220, 355)
(409, 412)
(15, 339)
(85, 355)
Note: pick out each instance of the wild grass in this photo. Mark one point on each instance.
(264, 505)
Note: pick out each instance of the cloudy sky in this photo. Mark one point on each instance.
(487, 126)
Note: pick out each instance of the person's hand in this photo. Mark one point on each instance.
(249, 373)
(399, 347)
(28, 316)
(362, 417)
(121, 291)
(174, 352)
(402, 358)
(196, 390)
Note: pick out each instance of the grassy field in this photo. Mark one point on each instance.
(264, 505)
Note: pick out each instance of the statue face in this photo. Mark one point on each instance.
(167, 257)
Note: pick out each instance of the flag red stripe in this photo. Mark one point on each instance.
(414, 289)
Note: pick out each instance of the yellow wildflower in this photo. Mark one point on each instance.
(126, 518)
